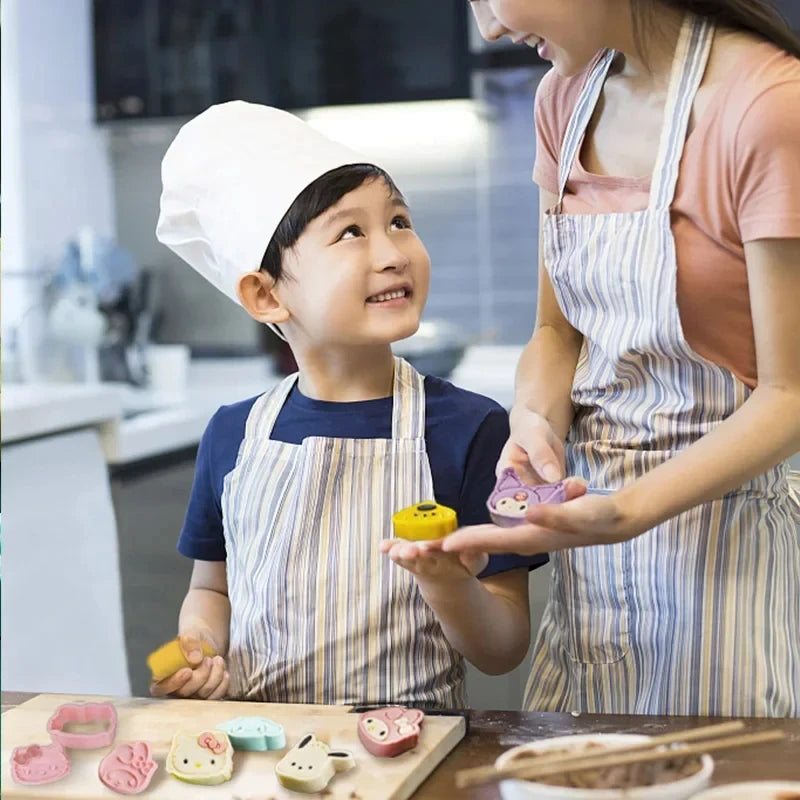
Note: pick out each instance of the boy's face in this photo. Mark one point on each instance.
(358, 274)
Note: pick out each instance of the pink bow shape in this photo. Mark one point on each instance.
(28, 754)
(211, 742)
(134, 755)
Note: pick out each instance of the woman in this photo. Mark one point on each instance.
(666, 355)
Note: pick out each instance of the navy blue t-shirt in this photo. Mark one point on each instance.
(464, 434)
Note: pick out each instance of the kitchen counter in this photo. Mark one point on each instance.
(492, 732)
(32, 410)
(172, 424)
(136, 424)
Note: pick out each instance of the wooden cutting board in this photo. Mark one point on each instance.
(156, 720)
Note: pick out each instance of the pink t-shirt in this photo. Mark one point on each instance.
(739, 181)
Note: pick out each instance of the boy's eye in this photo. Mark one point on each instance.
(350, 232)
(401, 222)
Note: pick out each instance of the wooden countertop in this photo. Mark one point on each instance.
(492, 732)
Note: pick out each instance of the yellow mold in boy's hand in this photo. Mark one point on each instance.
(169, 658)
(426, 520)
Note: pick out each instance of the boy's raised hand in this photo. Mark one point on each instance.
(206, 677)
(426, 561)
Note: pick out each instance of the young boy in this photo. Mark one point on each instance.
(295, 489)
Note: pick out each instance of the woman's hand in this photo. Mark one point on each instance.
(426, 561)
(534, 450)
(206, 677)
(584, 519)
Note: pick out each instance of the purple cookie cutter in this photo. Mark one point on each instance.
(511, 498)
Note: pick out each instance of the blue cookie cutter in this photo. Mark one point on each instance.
(254, 733)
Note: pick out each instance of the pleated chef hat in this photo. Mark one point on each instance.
(229, 177)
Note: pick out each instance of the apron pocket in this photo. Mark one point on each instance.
(594, 603)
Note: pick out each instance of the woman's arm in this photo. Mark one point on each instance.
(543, 411)
(760, 434)
(766, 429)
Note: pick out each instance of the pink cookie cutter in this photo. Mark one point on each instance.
(388, 732)
(37, 764)
(83, 713)
(511, 498)
(128, 768)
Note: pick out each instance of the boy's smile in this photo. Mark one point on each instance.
(395, 296)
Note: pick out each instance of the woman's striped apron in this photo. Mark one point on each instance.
(700, 615)
(318, 614)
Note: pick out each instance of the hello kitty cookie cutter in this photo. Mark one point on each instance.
(511, 498)
(203, 758)
(36, 764)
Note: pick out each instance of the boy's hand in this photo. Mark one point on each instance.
(206, 677)
(426, 561)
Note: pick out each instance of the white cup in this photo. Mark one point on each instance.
(168, 368)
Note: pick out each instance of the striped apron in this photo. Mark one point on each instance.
(700, 615)
(318, 613)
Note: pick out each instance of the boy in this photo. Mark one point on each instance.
(295, 489)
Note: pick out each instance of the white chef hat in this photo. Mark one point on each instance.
(229, 177)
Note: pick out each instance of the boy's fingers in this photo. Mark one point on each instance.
(192, 648)
(222, 689)
(199, 677)
(215, 677)
(171, 684)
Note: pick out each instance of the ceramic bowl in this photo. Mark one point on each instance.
(530, 790)
(753, 790)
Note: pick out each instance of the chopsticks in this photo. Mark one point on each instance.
(542, 766)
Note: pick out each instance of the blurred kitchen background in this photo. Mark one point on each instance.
(115, 353)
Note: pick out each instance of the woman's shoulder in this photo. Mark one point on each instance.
(761, 78)
(754, 128)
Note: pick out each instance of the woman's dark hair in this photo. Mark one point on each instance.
(315, 199)
(754, 16)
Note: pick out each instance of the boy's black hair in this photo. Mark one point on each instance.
(315, 199)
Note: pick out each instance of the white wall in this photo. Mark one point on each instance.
(57, 174)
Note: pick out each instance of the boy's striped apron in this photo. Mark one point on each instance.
(702, 614)
(318, 614)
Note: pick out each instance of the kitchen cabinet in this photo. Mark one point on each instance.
(61, 611)
(168, 58)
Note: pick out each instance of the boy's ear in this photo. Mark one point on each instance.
(259, 299)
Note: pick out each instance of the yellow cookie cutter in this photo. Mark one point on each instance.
(426, 520)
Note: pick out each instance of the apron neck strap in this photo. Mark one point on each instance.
(688, 67)
(581, 115)
(408, 402)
